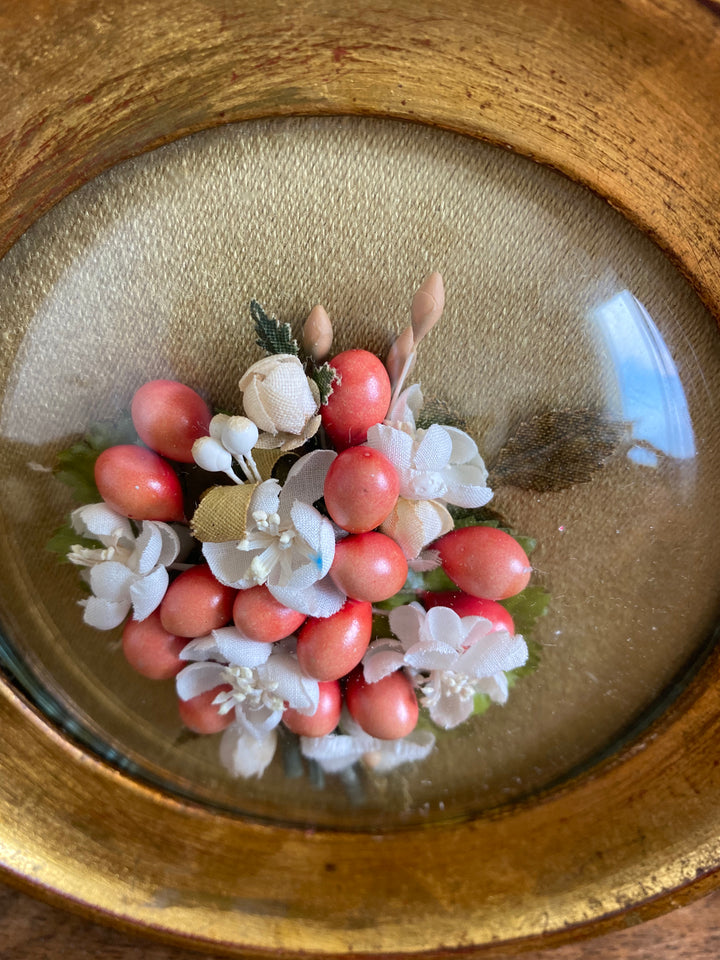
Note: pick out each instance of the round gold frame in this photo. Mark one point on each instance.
(623, 96)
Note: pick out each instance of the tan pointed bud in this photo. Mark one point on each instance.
(317, 334)
(427, 306)
(398, 354)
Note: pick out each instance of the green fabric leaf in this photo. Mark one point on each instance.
(75, 466)
(273, 336)
(437, 580)
(324, 376)
(533, 662)
(64, 538)
(481, 703)
(556, 449)
(527, 607)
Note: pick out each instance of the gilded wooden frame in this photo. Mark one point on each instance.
(623, 96)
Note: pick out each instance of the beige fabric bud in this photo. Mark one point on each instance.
(402, 348)
(277, 395)
(427, 306)
(317, 334)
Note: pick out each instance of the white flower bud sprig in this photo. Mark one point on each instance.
(231, 440)
(425, 311)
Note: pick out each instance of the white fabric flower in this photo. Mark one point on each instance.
(129, 571)
(281, 400)
(264, 679)
(435, 466)
(441, 463)
(288, 544)
(451, 658)
(338, 751)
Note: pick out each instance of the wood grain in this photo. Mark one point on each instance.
(31, 930)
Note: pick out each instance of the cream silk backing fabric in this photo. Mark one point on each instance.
(147, 272)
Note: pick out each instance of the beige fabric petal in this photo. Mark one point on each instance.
(414, 524)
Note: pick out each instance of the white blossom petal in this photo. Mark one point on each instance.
(298, 691)
(382, 658)
(406, 622)
(228, 564)
(105, 614)
(321, 599)
(464, 449)
(237, 649)
(306, 479)
(465, 487)
(100, 520)
(245, 755)
(198, 678)
(495, 653)
(444, 626)
(394, 444)
(147, 593)
(431, 655)
(496, 687)
(171, 545)
(433, 451)
(450, 711)
(157, 545)
(111, 580)
(203, 648)
(265, 498)
(147, 548)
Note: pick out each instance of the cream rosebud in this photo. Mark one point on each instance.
(277, 396)
(211, 455)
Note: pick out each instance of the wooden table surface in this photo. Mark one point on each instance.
(31, 930)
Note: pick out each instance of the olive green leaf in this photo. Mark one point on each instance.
(439, 411)
(556, 449)
(272, 336)
(324, 376)
(75, 466)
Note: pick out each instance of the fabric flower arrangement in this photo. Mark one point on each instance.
(320, 583)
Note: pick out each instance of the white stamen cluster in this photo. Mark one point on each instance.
(452, 684)
(249, 688)
(280, 548)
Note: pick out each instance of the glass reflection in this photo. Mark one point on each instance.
(652, 396)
